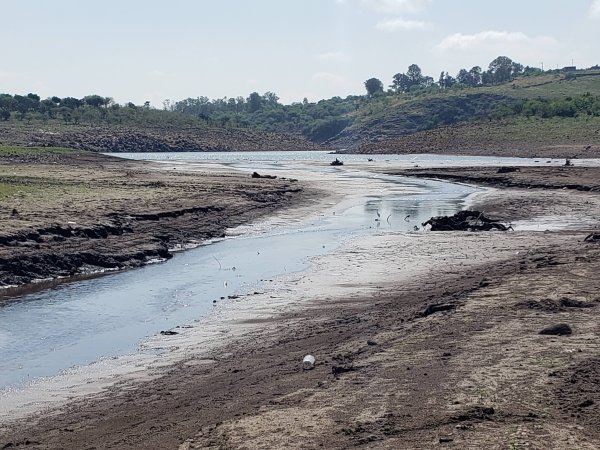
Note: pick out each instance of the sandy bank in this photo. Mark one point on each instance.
(67, 213)
(422, 340)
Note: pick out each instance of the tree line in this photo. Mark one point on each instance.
(317, 121)
(500, 70)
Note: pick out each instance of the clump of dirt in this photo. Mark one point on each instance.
(578, 394)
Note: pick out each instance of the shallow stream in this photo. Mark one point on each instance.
(74, 324)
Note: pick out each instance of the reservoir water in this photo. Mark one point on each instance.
(74, 324)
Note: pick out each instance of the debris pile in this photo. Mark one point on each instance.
(465, 221)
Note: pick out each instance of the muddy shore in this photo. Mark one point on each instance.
(438, 345)
(71, 212)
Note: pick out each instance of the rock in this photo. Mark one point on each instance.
(336, 370)
(507, 169)
(169, 333)
(586, 403)
(560, 329)
(370, 342)
(432, 309)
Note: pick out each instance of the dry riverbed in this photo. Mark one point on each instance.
(422, 340)
(66, 212)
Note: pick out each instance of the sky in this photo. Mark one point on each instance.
(153, 50)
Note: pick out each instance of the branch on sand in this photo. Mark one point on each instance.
(465, 221)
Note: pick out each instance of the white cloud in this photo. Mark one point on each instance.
(465, 50)
(493, 40)
(328, 77)
(400, 24)
(595, 9)
(392, 6)
(333, 57)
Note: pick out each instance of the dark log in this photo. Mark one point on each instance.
(465, 221)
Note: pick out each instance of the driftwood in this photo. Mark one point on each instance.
(465, 221)
(258, 175)
(505, 169)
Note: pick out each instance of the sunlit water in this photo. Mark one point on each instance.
(77, 323)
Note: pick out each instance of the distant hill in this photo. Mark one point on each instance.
(559, 110)
(534, 112)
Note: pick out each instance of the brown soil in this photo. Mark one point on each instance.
(79, 212)
(563, 177)
(451, 358)
(540, 139)
(151, 138)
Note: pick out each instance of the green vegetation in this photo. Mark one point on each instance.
(13, 150)
(413, 102)
(8, 190)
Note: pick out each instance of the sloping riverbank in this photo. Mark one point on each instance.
(421, 340)
(71, 212)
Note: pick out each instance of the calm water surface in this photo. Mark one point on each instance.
(77, 323)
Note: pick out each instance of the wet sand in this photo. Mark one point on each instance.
(422, 340)
(74, 212)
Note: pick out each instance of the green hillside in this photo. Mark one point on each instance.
(562, 95)
(506, 97)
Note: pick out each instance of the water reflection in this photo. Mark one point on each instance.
(77, 323)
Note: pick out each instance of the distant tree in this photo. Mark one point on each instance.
(47, 107)
(374, 86)
(34, 103)
(446, 80)
(70, 102)
(22, 105)
(426, 82)
(415, 75)
(475, 75)
(463, 78)
(6, 102)
(504, 69)
(254, 102)
(270, 98)
(528, 71)
(95, 101)
(400, 83)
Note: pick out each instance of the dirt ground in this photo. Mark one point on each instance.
(518, 138)
(69, 212)
(447, 356)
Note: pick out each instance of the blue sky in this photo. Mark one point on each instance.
(134, 50)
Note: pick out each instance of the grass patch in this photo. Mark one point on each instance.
(14, 150)
(8, 190)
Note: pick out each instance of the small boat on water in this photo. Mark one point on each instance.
(337, 162)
